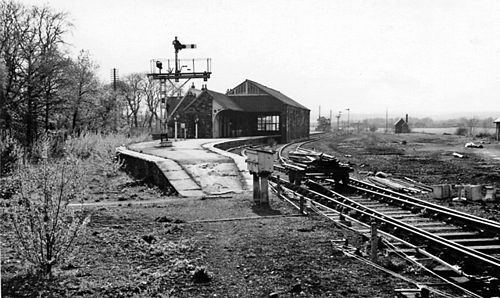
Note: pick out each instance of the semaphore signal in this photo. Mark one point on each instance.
(190, 69)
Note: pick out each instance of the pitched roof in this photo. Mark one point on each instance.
(260, 103)
(220, 98)
(276, 94)
(271, 101)
(497, 121)
(225, 101)
(400, 121)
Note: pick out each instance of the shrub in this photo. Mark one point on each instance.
(10, 155)
(100, 150)
(44, 224)
(462, 131)
(484, 135)
(373, 128)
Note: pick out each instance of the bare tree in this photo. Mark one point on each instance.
(471, 123)
(151, 90)
(30, 38)
(84, 87)
(133, 94)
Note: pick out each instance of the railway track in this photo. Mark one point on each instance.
(461, 248)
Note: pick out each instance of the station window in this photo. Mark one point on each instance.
(268, 123)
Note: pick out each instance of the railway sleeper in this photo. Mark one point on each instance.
(419, 224)
(473, 265)
(377, 206)
(397, 212)
(477, 241)
(437, 229)
(409, 216)
(388, 209)
(416, 219)
(458, 235)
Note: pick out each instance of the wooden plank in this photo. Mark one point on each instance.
(428, 224)
(440, 229)
(398, 212)
(451, 235)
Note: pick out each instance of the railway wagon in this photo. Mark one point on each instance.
(305, 164)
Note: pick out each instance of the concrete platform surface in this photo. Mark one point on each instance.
(195, 167)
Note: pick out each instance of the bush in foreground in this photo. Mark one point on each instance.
(57, 173)
(45, 226)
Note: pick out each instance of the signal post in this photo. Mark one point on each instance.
(176, 70)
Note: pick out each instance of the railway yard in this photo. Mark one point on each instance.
(143, 243)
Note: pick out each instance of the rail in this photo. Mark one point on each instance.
(477, 260)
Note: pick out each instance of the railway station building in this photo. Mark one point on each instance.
(249, 109)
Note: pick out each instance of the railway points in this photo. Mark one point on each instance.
(460, 248)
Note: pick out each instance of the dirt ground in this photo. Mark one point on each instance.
(142, 243)
(152, 250)
(427, 158)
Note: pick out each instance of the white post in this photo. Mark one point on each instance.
(175, 129)
(196, 130)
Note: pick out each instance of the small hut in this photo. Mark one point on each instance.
(401, 126)
(497, 133)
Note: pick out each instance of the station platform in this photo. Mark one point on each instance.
(195, 167)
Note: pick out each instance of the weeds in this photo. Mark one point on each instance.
(39, 192)
(100, 150)
(461, 131)
(10, 153)
(45, 226)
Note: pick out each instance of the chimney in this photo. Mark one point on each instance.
(406, 118)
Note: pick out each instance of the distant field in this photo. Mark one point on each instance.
(451, 130)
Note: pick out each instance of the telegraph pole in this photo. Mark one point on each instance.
(114, 79)
(331, 121)
(338, 120)
(348, 127)
(386, 120)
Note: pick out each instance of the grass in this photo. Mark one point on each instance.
(92, 145)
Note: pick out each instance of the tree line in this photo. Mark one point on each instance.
(43, 89)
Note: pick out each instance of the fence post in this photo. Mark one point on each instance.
(301, 204)
(256, 188)
(264, 190)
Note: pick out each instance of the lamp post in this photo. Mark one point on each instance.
(175, 128)
(196, 127)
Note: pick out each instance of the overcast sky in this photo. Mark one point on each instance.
(417, 57)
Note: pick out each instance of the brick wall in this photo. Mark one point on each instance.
(295, 124)
(201, 109)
